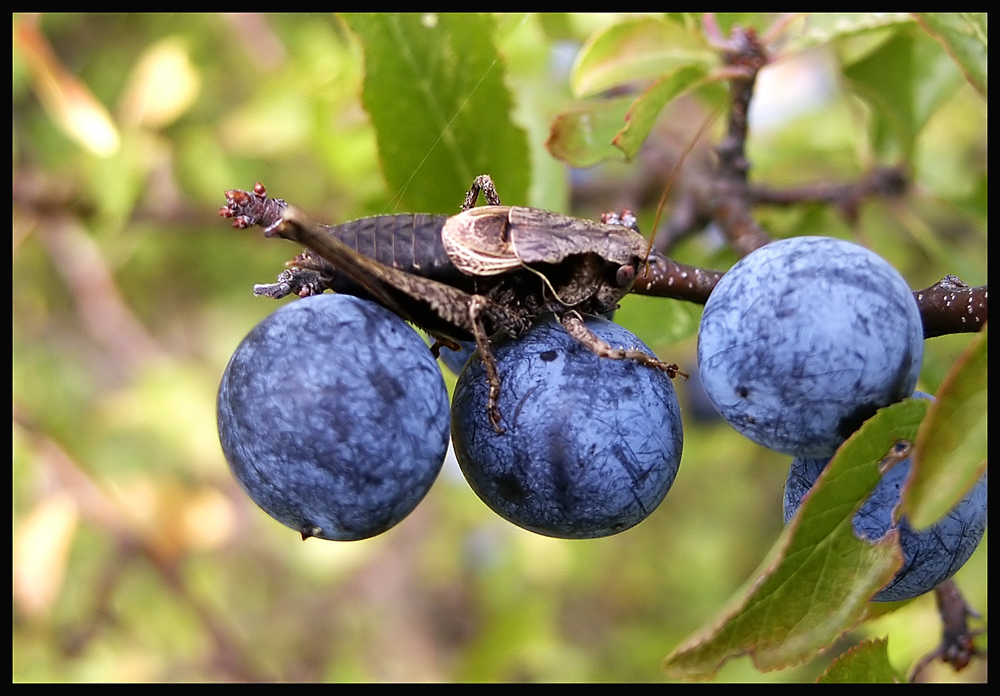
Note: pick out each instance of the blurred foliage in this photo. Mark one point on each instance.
(136, 557)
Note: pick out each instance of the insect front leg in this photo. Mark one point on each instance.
(293, 281)
(575, 327)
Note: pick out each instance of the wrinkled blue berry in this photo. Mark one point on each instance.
(592, 445)
(804, 339)
(930, 556)
(455, 360)
(333, 416)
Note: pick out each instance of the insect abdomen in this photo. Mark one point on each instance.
(411, 243)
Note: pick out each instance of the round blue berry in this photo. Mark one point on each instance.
(592, 445)
(333, 416)
(930, 556)
(455, 360)
(804, 339)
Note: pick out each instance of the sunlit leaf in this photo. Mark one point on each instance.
(636, 49)
(865, 663)
(821, 28)
(272, 124)
(963, 35)
(68, 101)
(41, 545)
(904, 81)
(818, 577)
(951, 447)
(581, 136)
(163, 85)
(646, 108)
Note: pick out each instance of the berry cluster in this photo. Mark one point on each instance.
(334, 417)
(800, 343)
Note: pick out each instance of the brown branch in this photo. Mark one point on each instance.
(947, 307)
(950, 306)
(725, 194)
(664, 277)
(744, 58)
(882, 182)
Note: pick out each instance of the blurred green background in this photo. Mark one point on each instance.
(136, 557)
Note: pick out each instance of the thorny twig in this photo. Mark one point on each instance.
(948, 306)
(884, 182)
(744, 59)
(957, 647)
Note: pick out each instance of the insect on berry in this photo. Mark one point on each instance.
(486, 272)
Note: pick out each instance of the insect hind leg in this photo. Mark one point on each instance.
(575, 327)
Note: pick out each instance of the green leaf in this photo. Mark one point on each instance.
(950, 451)
(963, 35)
(865, 663)
(822, 28)
(636, 49)
(644, 110)
(593, 131)
(817, 580)
(904, 81)
(658, 322)
(582, 135)
(434, 89)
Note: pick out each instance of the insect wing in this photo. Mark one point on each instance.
(477, 241)
(540, 236)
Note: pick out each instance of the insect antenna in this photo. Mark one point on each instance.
(538, 273)
(673, 176)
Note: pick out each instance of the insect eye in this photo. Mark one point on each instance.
(624, 276)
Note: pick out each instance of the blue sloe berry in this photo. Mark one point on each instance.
(804, 339)
(930, 556)
(455, 360)
(333, 416)
(592, 445)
